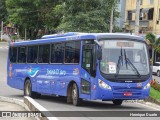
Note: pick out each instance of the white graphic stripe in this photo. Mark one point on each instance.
(34, 74)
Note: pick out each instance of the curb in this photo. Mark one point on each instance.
(30, 105)
(15, 101)
(152, 100)
(34, 106)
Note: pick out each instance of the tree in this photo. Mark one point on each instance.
(87, 15)
(34, 15)
(154, 42)
(40, 16)
(3, 13)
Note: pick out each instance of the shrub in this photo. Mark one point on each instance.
(159, 87)
(154, 84)
(2, 40)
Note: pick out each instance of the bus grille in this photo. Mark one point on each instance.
(125, 89)
(118, 92)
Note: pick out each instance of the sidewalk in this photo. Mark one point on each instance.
(6, 106)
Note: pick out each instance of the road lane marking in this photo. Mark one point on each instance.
(32, 104)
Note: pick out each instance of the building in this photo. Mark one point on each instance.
(121, 5)
(149, 20)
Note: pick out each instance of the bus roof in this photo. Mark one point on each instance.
(77, 36)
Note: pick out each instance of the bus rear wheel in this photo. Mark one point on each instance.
(28, 90)
(117, 102)
(158, 73)
(75, 95)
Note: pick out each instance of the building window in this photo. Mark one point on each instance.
(150, 14)
(129, 15)
(151, 2)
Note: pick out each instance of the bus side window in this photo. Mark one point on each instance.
(57, 53)
(32, 54)
(13, 54)
(22, 55)
(72, 52)
(44, 53)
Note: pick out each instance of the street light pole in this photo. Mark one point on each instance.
(25, 36)
(111, 19)
(137, 17)
(1, 30)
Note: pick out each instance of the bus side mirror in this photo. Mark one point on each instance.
(99, 53)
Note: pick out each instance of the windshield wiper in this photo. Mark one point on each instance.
(120, 60)
(127, 61)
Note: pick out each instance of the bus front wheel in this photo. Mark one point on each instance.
(117, 102)
(75, 95)
(28, 90)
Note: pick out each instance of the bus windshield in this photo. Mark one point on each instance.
(122, 57)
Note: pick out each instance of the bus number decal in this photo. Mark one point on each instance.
(56, 72)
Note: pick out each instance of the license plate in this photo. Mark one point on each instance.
(127, 94)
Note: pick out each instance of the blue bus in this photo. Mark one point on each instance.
(94, 66)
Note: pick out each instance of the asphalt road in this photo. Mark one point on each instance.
(59, 104)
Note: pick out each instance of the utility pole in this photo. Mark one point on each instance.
(157, 18)
(111, 19)
(137, 17)
(25, 34)
(1, 30)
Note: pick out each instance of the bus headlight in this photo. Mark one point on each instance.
(103, 85)
(147, 86)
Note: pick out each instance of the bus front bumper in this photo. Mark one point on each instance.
(122, 94)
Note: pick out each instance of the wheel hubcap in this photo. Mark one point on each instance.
(28, 89)
(74, 94)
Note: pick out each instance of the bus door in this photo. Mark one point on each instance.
(88, 70)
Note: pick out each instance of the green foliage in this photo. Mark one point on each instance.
(14, 37)
(155, 85)
(156, 46)
(3, 11)
(154, 42)
(155, 94)
(151, 37)
(40, 16)
(87, 15)
(32, 15)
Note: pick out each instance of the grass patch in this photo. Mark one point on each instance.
(155, 94)
(3, 40)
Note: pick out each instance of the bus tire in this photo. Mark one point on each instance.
(28, 90)
(75, 95)
(158, 73)
(117, 102)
